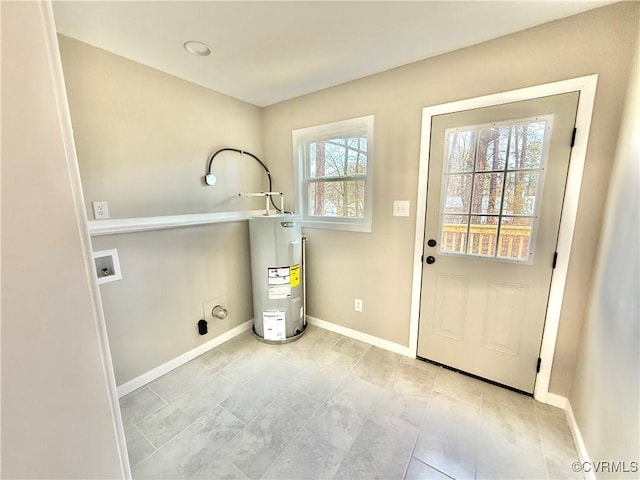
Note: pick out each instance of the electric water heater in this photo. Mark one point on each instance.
(277, 277)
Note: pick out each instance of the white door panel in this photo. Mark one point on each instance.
(496, 185)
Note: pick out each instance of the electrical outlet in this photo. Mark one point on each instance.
(100, 210)
(357, 305)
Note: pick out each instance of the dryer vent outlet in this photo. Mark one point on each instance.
(202, 327)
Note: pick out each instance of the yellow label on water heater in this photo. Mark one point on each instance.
(295, 276)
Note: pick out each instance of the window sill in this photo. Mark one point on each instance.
(329, 225)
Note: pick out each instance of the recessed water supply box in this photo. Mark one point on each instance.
(107, 266)
(277, 277)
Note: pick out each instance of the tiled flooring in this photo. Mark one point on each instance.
(327, 406)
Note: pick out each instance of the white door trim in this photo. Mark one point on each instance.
(73, 170)
(587, 88)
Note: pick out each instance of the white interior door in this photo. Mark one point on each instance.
(494, 199)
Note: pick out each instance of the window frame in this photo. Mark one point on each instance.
(301, 139)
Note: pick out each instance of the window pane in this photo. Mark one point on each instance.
(515, 237)
(337, 199)
(454, 233)
(487, 193)
(492, 149)
(338, 157)
(520, 193)
(457, 193)
(461, 151)
(483, 235)
(312, 154)
(527, 140)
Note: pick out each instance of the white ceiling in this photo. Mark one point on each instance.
(265, 52)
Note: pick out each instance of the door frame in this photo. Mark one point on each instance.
(587, 87)
(75, 185)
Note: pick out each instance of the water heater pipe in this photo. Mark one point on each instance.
(304, 281)
(210, 178)
(267, 197)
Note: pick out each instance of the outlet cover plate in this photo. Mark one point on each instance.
(401, 208)
(357, 305)
(100, 210)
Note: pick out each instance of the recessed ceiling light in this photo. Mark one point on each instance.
(195, 47)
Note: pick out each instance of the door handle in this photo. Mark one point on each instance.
(432, 242)
(429, 260)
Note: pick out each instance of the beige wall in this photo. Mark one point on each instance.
(377, 266)
(168, 277)
(143, 139)
(57, 417)
(605, 395)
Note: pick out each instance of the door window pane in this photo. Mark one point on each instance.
(461, 151)
(458, 193)
(487, 193)
(454, 234)
(483, 236)
(515, 238)
(492, 149)
(527, 140)
(520, 193)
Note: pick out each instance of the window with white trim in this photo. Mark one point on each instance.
(333, 165)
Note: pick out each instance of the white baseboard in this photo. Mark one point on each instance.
(554, 400)
(578, 440)
(363, 337)
(174, 363)
(157, 372)
(564, 403)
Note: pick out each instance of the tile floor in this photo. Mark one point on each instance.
(327, 406)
